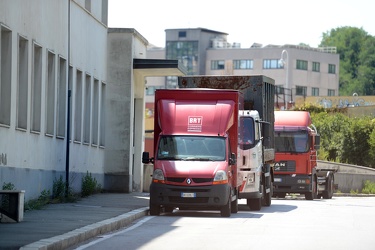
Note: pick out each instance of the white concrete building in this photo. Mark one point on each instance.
(49, 48)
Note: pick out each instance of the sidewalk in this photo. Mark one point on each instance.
(59, 226)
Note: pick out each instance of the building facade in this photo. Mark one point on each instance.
(297, 70)
(71, 96)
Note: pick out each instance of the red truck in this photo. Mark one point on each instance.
(295, 169)
(196, 145)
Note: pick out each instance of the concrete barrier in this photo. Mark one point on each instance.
(12, 205)
(349, 177)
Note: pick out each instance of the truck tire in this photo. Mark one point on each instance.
(254, 204)
(328, 193)
(267, 197)
(168, 209)
(234, 206)
(154, 209)
(225, 211)
(281, 195)
(314, 192)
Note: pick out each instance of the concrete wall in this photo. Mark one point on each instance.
(125, 108)
(32, 159)
(349, 177)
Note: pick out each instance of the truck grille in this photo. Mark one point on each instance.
(188, 200)
(182, 179)
(285, 166)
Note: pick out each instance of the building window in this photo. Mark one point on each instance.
(102, 115)
(182, 34)
(50, 91)
(217, 64)
(87, 110)
(272, 64)
(22, 90)
(280, 89)
(36, 89)
(315, 91)
(61, 98)
(331, 69)
(331, 92)
(95, 113)
(78, 107)
(243, 64)
(316, 66)
(88, 5)
(5, 74)
(301, 64)
(301, 90)
(186, 52)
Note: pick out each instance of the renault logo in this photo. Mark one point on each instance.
(188, 181)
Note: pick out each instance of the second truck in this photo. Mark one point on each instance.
(213, 147)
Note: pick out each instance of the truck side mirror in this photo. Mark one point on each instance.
(232, 159)
(317, 142)
(146, 158)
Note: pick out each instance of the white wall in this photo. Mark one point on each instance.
(33, 160)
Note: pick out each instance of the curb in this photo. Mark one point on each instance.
(80, 235)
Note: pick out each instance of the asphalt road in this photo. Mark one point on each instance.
(340, 223)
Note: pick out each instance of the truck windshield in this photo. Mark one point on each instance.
(291, 141)
(197, 148)
(246, 138)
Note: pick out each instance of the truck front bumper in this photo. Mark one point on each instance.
(188, 197)
(292, 184)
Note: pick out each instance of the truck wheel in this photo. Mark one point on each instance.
(281, 195)
(168, 209)
(254, 204)
(234, 206)
(267, 197)
(314, 192)
(154, 209)
(328, 193)
(225, 211)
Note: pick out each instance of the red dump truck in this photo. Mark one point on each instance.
(295, 170)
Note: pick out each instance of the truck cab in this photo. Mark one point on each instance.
(296, 144)
(196, 147)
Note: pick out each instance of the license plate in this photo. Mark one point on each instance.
(277, 180)
(188, 195)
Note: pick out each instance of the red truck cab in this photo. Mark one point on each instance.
(296, 143)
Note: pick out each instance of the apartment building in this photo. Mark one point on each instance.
(298, 71)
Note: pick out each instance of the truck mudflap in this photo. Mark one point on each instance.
(187, 197)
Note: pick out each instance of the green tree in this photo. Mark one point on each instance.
(371, 143)
(355, 146)
(357, 59)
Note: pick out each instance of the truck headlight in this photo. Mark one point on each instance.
(158, 176)
(221, 177)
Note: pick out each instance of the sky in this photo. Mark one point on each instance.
(246, 21)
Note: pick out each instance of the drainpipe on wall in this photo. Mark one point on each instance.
(68, 114)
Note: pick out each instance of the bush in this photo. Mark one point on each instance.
(369, 187)
(89, 185)
(40, 202)
(8, 186)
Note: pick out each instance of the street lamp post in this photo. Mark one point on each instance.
(284, 63)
